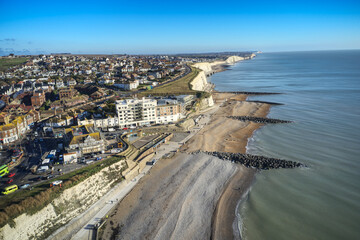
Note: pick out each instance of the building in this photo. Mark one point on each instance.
(59, 121)
(167, 111)
(12, 131)
(83, 140)
(38, 99)
(129, 85)
(67, 93)
(136, 112)
(18, 109)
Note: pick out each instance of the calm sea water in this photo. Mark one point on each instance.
(321, 93)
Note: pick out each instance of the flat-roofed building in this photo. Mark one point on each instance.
(83, 140)
(167, 111)
(136, 112)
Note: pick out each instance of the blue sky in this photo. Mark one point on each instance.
(135, 27)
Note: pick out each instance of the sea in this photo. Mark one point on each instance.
(320, 91)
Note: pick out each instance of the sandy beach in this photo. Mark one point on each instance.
(192, 196)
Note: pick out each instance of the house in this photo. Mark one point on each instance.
(71, 82)
(88, 81)
(60, 121)
(12, 131)
(106, 81)
(129, 85)
(67, 93)
(28, 86)
(38, 98)
(18, 109)
(60, 84)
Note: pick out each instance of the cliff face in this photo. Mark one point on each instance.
(199, 83)
(68, 205)
(233, 59)
(207, 66)
(206, 102)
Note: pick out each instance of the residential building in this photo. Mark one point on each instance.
(10, 132)
(60, 121)
(136, 112)
(67, 93)
(129, 85)
(167, 111)
(38, 99)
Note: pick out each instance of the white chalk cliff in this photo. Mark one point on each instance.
(199, 83)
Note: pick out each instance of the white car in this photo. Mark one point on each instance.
(24, 186)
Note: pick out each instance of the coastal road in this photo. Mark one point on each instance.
(104, 206)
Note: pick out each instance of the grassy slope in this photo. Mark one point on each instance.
(6, 63)
(16, 200)
(178, 87)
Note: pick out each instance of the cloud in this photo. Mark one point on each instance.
(7, 51)
(8, 40)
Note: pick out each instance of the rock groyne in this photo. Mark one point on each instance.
(270, 103)
(252, 93)
(259, 119)
(254, 161)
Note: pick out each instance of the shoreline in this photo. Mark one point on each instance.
(225, 218)
(179, 196)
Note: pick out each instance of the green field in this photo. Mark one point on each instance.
(6, 63)
(178, 87)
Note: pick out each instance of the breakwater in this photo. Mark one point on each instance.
(253, 93)
(259, 119)
(254, 161)
(271, 103)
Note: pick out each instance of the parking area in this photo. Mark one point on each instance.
(145, 140)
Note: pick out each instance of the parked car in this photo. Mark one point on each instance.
(11, 175)
(24, 186)
(89, 161)
(9, 181)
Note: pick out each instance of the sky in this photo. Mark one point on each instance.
(167, 27)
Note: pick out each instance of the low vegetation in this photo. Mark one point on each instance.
(31, 201)
(178, 87)
(6, 63)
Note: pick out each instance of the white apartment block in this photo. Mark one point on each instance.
(136, 112)
(101, 122)
(127, 85)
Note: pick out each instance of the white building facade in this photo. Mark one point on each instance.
(136, 112)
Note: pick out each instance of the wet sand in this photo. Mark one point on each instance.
(192, 196)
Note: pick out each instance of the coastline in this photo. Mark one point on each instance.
(226, 135)
(213, 212)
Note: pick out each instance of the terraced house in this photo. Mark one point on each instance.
(12, 130)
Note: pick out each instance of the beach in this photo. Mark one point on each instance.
(193, 196)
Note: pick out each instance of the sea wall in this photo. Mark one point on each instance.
(68, 205)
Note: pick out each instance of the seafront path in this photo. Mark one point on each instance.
(82, 226)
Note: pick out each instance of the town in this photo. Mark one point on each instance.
(63, 112)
